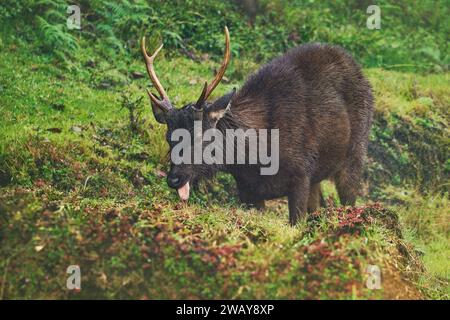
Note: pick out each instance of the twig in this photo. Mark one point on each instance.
(85, 182)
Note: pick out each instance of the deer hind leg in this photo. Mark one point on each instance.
(348, 179)
(348, 182)
(315, 199)
(298, 199)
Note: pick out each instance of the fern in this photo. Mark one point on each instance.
(56, 37)
(114, 27)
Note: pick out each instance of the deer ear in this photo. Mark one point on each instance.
(220, 107)
(159, 113)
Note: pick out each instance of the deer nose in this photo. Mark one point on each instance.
(173, 181)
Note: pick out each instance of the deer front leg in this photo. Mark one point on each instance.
(249, 199)
(316, 199)
(255, 204)
(298, 199)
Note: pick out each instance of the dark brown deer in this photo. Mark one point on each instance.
(318, 98)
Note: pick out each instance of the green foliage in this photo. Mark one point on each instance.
(413, 35)
(133, 105)
(54, 36)
(409, 142)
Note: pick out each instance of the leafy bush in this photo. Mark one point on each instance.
(413, 34)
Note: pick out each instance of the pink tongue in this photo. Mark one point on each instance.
(183, 192)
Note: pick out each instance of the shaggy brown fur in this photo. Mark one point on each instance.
(318, 98)
(322, 104)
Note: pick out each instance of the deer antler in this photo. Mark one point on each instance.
(208, 89)
(165, 102)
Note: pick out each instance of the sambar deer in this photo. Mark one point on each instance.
(318, 98)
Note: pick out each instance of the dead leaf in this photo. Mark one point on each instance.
(54, 130)
(137, 75)
(76, 129)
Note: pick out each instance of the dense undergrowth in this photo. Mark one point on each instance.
(82, 180)
(413, 36)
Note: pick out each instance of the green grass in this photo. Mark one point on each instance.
(137, 249)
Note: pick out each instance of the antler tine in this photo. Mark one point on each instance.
(210, 88)
(154, 79)
(163, 104)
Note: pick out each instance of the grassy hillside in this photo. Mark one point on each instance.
(82, 184)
